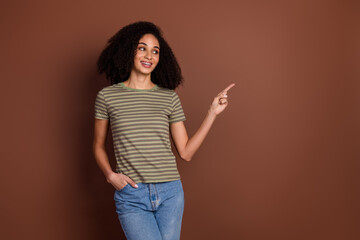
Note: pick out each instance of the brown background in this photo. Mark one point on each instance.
(281, 162)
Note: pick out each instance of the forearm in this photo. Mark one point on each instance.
(196, 140)
(102, 161)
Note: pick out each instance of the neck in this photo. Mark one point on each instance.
(139, 81)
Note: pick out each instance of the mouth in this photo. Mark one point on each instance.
(146, 64)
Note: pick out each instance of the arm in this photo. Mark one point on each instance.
(187, 147)
(118, 180)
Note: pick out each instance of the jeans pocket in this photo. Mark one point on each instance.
(120, 190)
(118, 193)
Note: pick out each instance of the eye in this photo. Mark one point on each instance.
(141, 48)
(156, 52)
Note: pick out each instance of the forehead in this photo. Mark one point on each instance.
(149, 39)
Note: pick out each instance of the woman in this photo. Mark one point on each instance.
(142, 109)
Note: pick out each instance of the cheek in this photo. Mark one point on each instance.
(138, 55)
(157, 59)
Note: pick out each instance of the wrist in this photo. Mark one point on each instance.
(211, 113)
(109, 176)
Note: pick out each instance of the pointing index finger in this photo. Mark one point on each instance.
(228, 87)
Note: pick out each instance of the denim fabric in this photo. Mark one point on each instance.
(153, 211)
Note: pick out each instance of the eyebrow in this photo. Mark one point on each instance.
(146, 45)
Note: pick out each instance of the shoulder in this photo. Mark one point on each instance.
(170, 92)
(166, 92)
(109, 88)
(111, 91)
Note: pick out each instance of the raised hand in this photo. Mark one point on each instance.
(220, 101)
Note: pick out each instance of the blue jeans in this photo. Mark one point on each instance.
(153, 211)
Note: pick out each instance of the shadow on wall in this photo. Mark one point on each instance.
(97, 194)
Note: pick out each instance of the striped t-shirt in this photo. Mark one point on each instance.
(139, 120)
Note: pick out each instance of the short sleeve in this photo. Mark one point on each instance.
(177, 113)
(100, 106)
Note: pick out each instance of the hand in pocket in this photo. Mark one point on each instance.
(119, 181)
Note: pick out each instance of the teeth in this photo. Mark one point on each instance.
(149, 64)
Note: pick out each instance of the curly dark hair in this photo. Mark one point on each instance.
(117, 59)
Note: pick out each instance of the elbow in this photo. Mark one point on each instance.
(95, 148)
(186, 158)
(98, 147)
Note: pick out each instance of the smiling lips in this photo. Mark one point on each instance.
(146, 64)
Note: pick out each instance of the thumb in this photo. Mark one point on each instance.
(216, 100)
(132, 183)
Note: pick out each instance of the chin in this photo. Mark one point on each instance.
(146, 72)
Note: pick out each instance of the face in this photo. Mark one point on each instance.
(147, 54)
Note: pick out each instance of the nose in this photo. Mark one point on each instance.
(148, 55)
